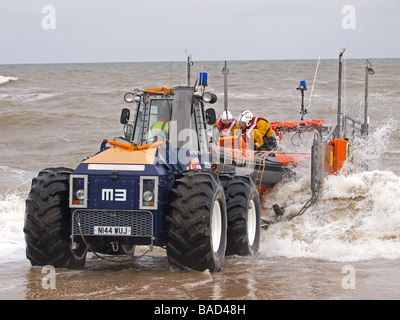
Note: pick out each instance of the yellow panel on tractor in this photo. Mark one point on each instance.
(124, 156)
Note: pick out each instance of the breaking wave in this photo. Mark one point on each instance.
(4, 79)
(12, 209)
(14, 187)
(356, 216)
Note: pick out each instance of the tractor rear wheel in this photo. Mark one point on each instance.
(244, 215)
(197, 222)
(48, 221)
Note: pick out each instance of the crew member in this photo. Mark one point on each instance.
(258, 128)
(161, 127)
(225, 124)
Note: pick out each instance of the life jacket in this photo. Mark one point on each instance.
(225, 131)
(249, 131)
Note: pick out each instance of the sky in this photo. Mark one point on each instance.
(71, 31)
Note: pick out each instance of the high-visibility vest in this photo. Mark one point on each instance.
(161, 125)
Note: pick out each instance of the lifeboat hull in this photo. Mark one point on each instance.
(266, 168)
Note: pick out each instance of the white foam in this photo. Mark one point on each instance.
(370, 151)
(4, 79)
(356, 217)
(33, 97)
(12, 213)
(11, 252)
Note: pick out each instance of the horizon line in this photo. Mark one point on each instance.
(183, 61)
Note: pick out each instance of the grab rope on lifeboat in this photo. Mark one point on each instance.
(292, 126)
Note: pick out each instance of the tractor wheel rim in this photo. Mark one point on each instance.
(251, 222)
(216, 226)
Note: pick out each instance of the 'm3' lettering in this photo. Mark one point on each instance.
(113, 195)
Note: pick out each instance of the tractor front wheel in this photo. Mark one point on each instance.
(244, 215)
(48, 221)
(197, 222)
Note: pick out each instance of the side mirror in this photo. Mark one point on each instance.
(215, 136)
(125, 114)
(128, 132)
(210, 116)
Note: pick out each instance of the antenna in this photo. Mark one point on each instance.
(170, 75)
(225, 71)
(315, 77)
(369, 71)
(190, 63)
(339, 128)
(302, 87)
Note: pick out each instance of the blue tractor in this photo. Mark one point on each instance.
(154, 187)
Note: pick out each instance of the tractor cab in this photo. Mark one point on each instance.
(174, 116)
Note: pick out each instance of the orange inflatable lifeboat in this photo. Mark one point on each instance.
(266, 167)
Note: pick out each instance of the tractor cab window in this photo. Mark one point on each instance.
(139, 123)
(159, 116)
(201, 128)
(152, 121)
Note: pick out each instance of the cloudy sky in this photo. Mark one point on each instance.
(58, 31)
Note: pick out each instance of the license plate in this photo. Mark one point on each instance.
(112, 231)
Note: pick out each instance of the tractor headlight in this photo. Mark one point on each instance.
(80, 194)
(209, 97)
(130, 97)
(148, 193)
(78, 191)
(148, 196)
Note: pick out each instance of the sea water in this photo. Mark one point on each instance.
(57, 115)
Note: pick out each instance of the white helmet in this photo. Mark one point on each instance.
(226, 117)
(246, 116)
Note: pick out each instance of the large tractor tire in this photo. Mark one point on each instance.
(197, 222)
(48, 221)
(244, 215)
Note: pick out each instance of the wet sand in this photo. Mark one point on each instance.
(242, 278)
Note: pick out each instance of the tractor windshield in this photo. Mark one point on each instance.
(160, 114)
(138, 123)
(152, 121)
